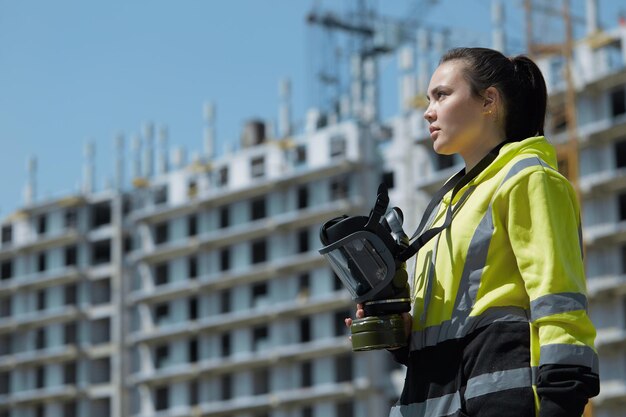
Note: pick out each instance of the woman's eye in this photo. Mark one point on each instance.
(441, 94)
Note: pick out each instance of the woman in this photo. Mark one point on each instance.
(499, 324)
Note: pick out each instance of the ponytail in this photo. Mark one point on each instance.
(519, 81)
(527, 109)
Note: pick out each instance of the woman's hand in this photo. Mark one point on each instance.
(408, 324)
(360, 313)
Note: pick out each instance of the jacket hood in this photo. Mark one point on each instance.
(534, 146)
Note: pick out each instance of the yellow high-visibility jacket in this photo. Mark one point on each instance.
(500, 324)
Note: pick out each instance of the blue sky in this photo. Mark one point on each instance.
(73, 71)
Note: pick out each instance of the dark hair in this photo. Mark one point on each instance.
(519, 81)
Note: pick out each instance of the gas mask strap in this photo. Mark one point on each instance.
(455, 183)
(437, 197)
(382, 201)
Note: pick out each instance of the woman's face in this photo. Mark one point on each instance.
(456, 117)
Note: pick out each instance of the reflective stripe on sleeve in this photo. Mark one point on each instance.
(498, 381)
(432, 407)
(550, 304)
(477, 386)
(562, 354)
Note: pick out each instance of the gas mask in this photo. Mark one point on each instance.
(368, 255)
(364, 253)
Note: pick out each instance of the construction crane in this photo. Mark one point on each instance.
(353, 42)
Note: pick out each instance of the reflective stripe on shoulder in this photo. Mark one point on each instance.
(521, 165)
(550, 304)
(562, 354)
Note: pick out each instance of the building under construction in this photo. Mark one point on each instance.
(198, 290)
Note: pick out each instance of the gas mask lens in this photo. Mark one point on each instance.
(361, 262)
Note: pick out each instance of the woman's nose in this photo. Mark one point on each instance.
(429, 115)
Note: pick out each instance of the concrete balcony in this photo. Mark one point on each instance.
(53, 354)
(606, 286)
(221, 196)
(605, 234)
(291, 353)
(602, 131)
(100, 271)
(38, 280)
(36, 243)
(248, 231)
(97, 351)
(245, 318)
(102, 232)
(58, 393)
(612, 393)
(103, 390)
(297, 397)
(36, 319)
(610, 338)
(347, 391)
(232, 278)
(603, 183)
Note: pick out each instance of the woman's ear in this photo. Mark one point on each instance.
(491, 99)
